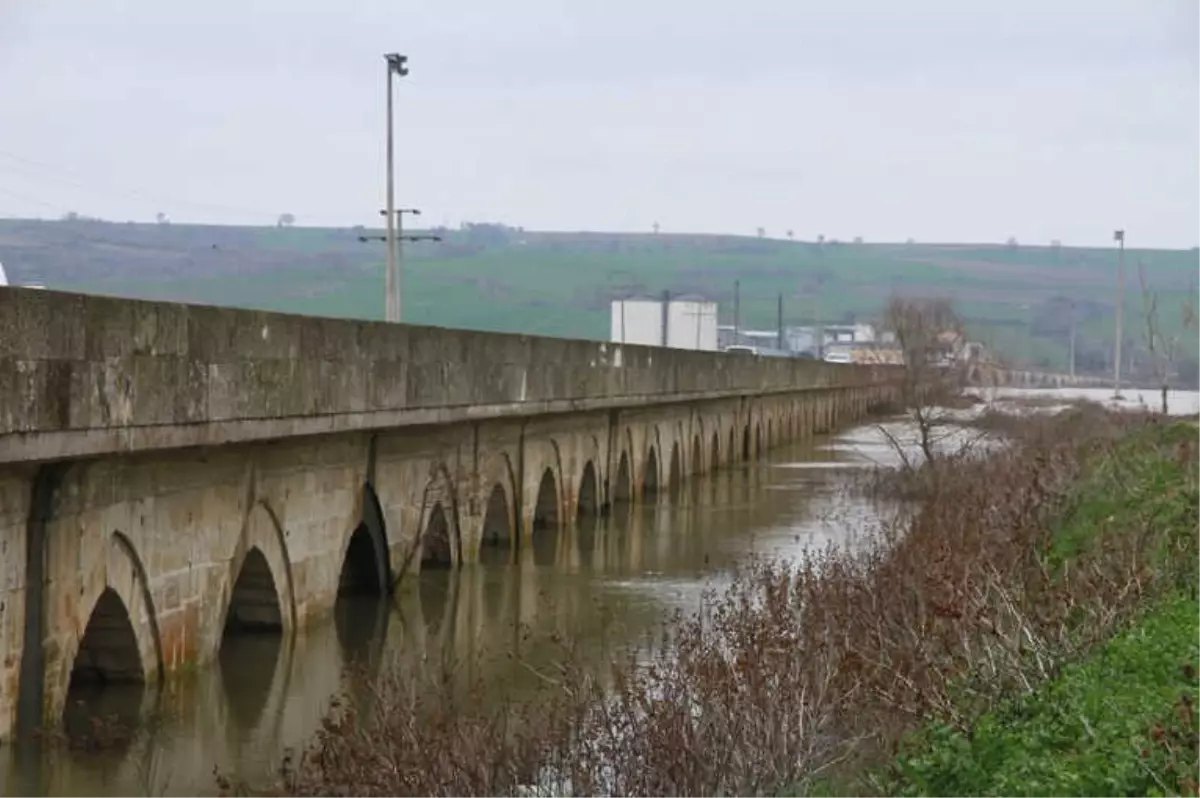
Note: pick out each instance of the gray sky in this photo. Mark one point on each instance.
(887, 119)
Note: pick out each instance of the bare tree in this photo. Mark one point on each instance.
(791, 234)
(762, 232)
(161, 218)
(286, 220)
(1164, 348)
(930, 336)
(656, 228)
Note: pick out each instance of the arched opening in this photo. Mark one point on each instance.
(496, 544)
(623, 486)
(746, 442)
(674, 474)
(546, 521)
(733, 448)
(436, 551)
(587, 505)
(587, 513)
(715, 454)
(254, 605)
(545, 511)
(362, 571)
(108, 653)
(106, 678)
(697, 457)
(650, 477)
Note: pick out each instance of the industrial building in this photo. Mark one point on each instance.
(685, 322)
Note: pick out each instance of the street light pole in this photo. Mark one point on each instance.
(396, 65)
(1119, 237)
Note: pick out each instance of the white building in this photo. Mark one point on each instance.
(3, 278)
(687, 323)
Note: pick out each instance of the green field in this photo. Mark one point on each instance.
(1014, 298)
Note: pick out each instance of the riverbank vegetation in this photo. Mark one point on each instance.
(1028, 626)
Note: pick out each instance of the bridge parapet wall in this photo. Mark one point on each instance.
(83, 375)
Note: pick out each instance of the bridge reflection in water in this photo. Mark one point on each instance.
(603, 582)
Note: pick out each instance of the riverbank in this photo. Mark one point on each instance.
(1015, 564)
(1121, 718)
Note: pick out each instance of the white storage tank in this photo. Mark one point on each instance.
(637, 321)
(692, 324)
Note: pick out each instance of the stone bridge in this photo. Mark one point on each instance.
(172, 474)
(995, 376)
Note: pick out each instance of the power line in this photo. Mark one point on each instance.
(73, 178)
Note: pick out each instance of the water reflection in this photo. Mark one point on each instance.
(247, 667)
(603, 582)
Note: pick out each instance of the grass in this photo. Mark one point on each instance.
(1121, 723)
(560, 284)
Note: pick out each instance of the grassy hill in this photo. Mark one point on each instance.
(1016, 298)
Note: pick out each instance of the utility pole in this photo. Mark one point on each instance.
(396, 65)
(1119, 237)
(1072, 364)
(397, 252)
(737, 308)
(393, 240)
(779, 323)
(666, 317)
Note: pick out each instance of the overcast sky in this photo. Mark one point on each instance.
(888, 119)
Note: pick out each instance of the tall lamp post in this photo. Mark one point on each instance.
(396, 65)
(1119, 237)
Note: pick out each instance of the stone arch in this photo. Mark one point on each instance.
(622, 490)
(108, 651)
(437, 540)
(714, 456)
(746, 442)
(365, 562)
(758, 439)
(675, 473)
(588, 503)
(118, 582)
(542, 455)
(497, 540)
(261, 530)
(547, 509)
(254, 604)
(769, 441)
(546, 523)
(439, 497)
(697, 454)
(650, 479)
(589, 455)
(500, 511)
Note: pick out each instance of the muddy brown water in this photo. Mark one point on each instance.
(606, 585)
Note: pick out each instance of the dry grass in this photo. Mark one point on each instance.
(797, 672)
